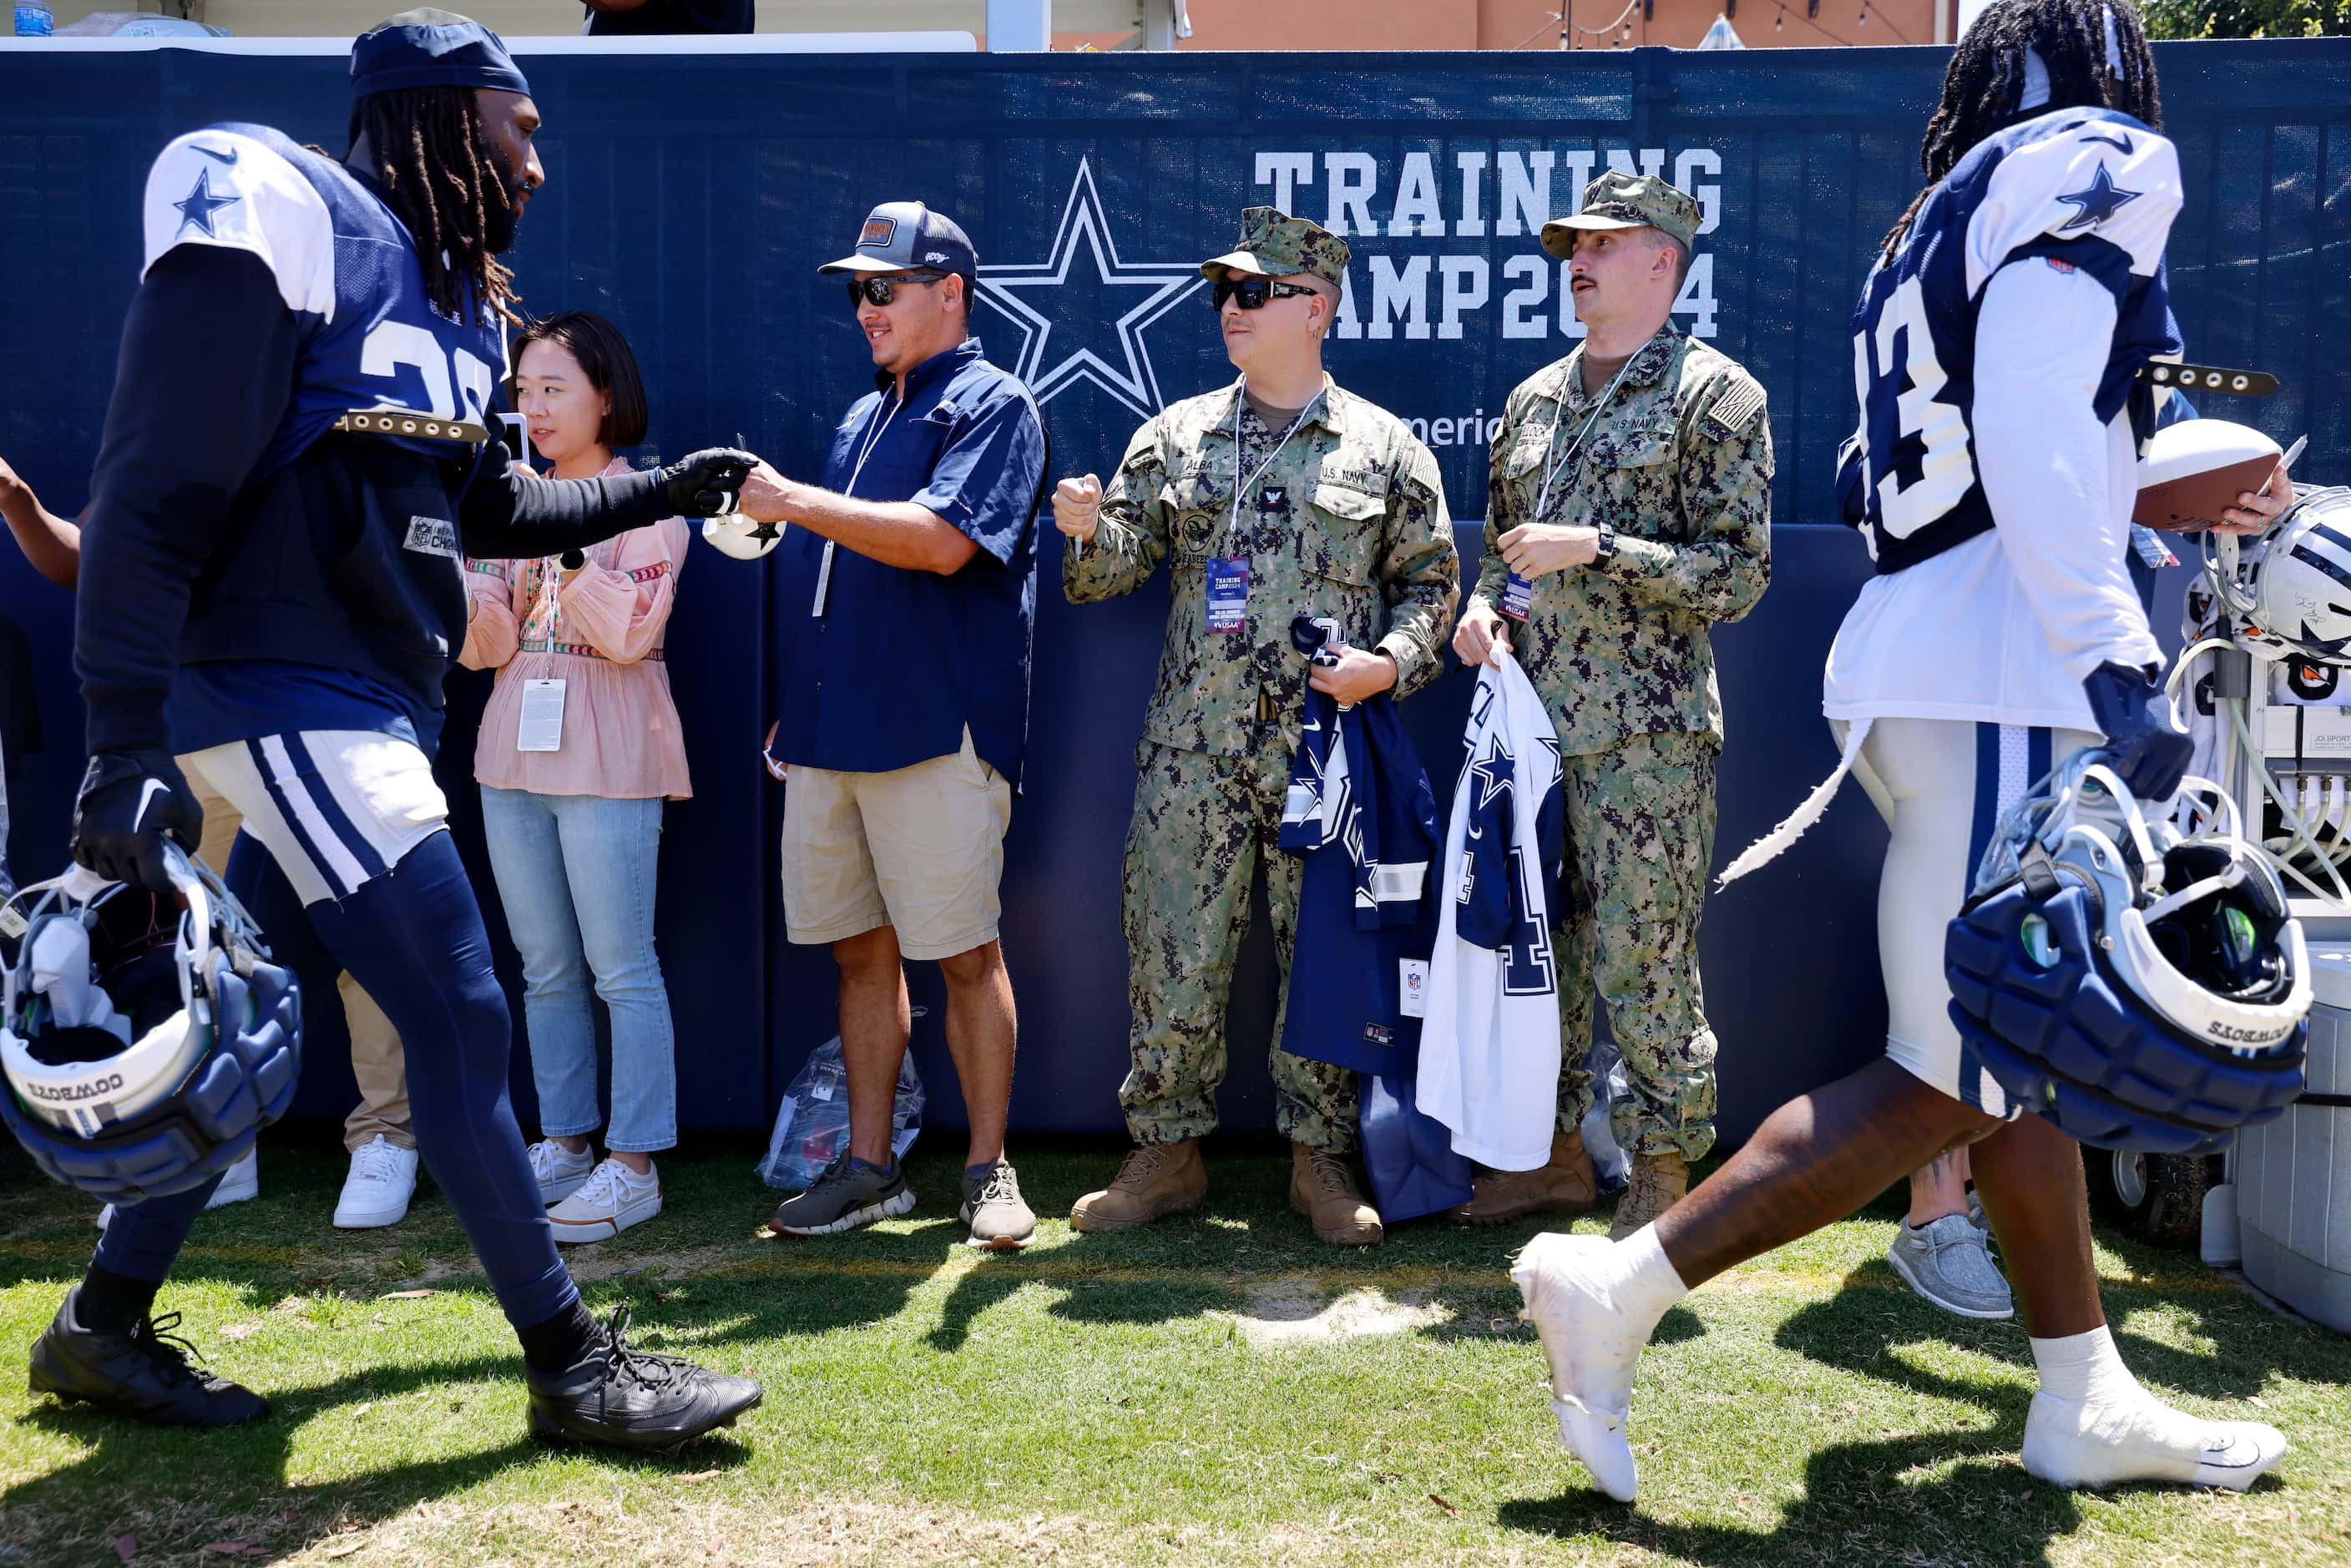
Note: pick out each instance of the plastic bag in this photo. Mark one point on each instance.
(1609, 1165)
(812, 1123)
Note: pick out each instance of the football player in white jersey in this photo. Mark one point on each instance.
(1998, 343)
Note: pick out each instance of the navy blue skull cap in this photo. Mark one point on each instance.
(432, 48)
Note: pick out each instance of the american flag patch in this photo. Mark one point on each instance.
(1736, 406)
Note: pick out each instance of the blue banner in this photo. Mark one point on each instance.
(691, 198)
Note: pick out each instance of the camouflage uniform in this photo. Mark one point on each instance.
(1680, 465)
(1348, 520)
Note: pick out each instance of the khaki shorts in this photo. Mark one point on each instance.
(920, 849)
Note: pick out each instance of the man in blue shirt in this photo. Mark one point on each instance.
(909, 600)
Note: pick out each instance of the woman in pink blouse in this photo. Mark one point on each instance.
(579, 748)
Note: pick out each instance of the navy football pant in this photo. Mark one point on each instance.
(413, 936)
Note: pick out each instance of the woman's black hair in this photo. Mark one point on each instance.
(605, 358)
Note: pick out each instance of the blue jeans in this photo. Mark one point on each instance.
(576, 875)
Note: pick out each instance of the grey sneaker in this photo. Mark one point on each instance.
(1949, 1262)
(999, 1218)
(844, 1197)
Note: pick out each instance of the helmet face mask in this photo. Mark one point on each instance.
(2143, 985)
(145, 1037)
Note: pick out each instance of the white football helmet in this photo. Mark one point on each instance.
(108, 1010)
(2290, 596)
(741, 537)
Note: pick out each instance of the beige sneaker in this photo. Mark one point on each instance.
(1565, 1186)
(1156, 1179)
(1657, 1183)
(1323, 1189)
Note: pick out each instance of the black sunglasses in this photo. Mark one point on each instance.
(882, 290)
(1253, 292)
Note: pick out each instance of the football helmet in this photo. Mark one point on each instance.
(2290, 595)
(741, 537)
(2142, 987)
(146, 1038)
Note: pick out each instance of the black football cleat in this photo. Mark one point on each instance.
(630, 1398)
(147, 1373)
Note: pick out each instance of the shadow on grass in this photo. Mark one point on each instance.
(1858, 1329)
(222, 1463)
(1851, 1511)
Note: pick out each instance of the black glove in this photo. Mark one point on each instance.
(128, 800)
(706, 483)
(2145, 745)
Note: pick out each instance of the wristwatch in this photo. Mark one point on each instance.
(1603, 548)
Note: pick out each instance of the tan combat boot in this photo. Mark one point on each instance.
(1657, 1183)
(1156, 1179)
(1324, 1190)
(1564, 1186)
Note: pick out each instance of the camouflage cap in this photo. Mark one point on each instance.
(1275, 244)
(1617, 201)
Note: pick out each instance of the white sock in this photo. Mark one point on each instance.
(2093, 1425)
(1645, 1287)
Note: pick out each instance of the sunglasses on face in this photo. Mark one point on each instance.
(1251, 292)
(882, 290)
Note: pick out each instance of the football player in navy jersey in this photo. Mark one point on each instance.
(271, 581)
(1997, 346)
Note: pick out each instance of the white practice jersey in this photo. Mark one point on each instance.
(1489, 1042)
(1993, 472)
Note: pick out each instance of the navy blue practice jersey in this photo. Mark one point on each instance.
(346, 266)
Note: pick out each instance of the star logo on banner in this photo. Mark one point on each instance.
(1082, 313)
(201, 203)
(2099, 203)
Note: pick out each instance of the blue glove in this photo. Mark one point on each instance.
(2145, 745)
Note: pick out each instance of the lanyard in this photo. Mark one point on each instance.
(1561, 459)
(824, 569)
(1240, 486)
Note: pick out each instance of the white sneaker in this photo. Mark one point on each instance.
(612, 1198)
(1591, 1350)
(561, 1172)
(2073, 1443)
(376, 1192)
(243, 1180)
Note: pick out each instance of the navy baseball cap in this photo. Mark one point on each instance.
(432, 48)
(903, 235)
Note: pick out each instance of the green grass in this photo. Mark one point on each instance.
(1165, 1396)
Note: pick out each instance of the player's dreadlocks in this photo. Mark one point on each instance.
(1986, 77)
(432, 158)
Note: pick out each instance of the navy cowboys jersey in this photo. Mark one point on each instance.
(345, 266)
(2088, 189)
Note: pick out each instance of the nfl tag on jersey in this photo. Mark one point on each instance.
(1412, 986)
(1227, 593)
(433, 535)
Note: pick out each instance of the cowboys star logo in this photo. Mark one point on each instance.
(1081, 312)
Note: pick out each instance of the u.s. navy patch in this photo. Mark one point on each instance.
(433, 535)
(1736, 406)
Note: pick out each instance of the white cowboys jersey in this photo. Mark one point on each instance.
(1489, 1044)
(1992, 474)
